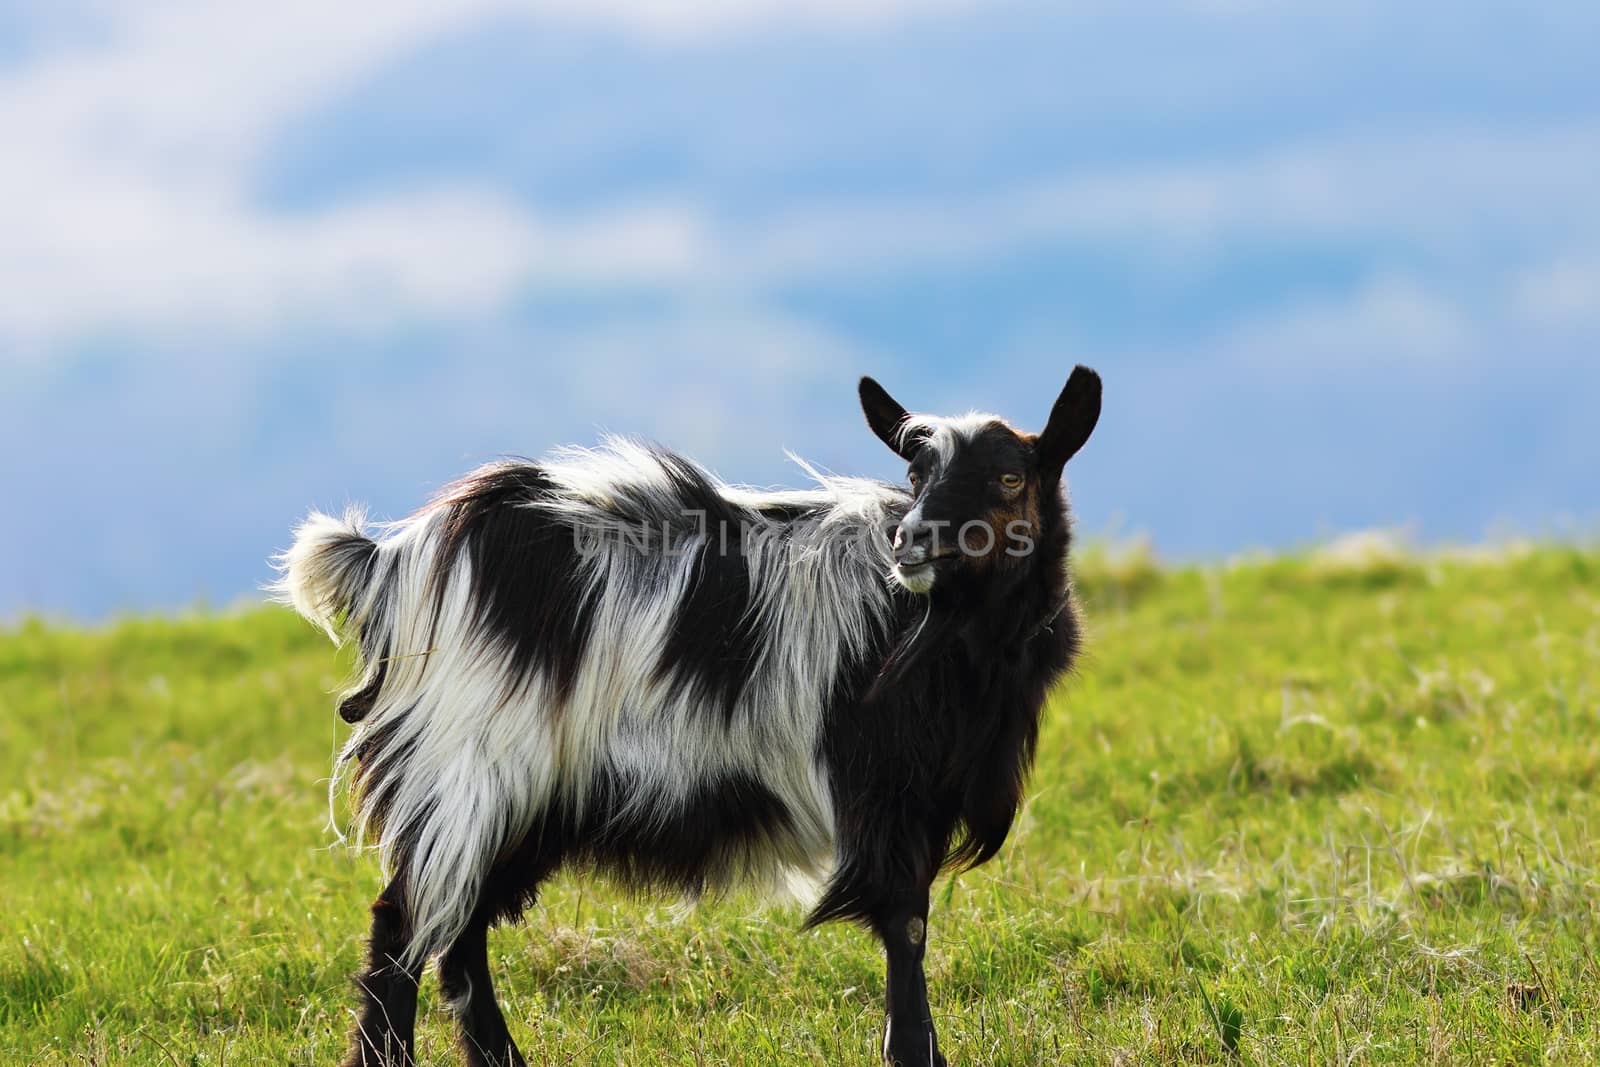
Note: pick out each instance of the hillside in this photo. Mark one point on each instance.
(1335, 808)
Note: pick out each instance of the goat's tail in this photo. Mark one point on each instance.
(327, 574)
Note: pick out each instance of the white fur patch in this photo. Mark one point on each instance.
(947, 434)
(917, 580)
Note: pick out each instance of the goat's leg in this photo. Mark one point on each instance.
(902, 925)
(464, 968)
(469, 989)
(385, 1026)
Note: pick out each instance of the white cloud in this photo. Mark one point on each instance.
(125, 198)
(128, 256)
(709, 378)
(1390, 319)
(1564, 293)
(1440, 192)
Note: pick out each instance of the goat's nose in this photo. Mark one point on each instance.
(911, 543)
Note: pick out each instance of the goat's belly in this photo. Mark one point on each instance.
(718, 834)
(693, 802)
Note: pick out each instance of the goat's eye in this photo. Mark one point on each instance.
(1011, 481)
(915, 479)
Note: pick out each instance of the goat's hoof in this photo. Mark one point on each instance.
(913, 1057)
(365, 1055)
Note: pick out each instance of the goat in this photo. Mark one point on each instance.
(790, 688)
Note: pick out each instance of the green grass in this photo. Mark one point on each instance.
(1334, 809)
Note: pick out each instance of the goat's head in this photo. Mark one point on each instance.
(983, 493)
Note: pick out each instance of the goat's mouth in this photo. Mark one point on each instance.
(943, 555)
(918, 577)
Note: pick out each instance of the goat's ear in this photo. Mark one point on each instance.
(1072, 420)
(887, 418)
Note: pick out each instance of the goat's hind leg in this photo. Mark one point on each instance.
(468, 987)
(385, 1026)
(464, 968)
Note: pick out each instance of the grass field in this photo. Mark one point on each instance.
(1333, 809)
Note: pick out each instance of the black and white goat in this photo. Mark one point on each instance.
(613, 661)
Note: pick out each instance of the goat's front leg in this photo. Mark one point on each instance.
(902, 925)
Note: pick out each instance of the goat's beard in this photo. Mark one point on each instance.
(920, 641)
(964, 606)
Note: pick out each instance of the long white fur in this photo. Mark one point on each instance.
(484, 757)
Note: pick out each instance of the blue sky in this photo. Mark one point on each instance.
(1339, 263)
